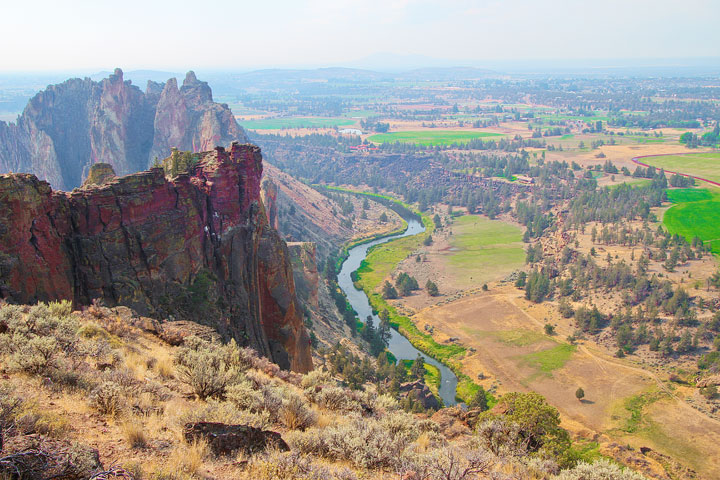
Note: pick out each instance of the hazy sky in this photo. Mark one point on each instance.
(152, 34)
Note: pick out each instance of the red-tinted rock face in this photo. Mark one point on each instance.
(68, 127)
(197, 247)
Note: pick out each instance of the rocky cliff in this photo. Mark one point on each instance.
(68, 127)
(196, 246)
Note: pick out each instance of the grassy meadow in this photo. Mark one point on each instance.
(696, 213)
(483, 249)
(431, 137)
(705, 165)
(295, 122)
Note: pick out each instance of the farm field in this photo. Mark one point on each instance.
(510, 349)
(705, 165)
(295, 122)
(482, 250)
(696, 213)
(469, 252)
(431, 137)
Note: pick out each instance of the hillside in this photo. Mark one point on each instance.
(105, 394)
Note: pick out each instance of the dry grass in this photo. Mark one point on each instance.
(164, 368)
(137, 364)
(134, 432)
(188, 458)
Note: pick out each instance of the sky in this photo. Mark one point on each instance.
(91, 35)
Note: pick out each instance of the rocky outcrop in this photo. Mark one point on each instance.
(419, 392)
(304, 263)
(68, 127)
(100, 173)
(196, 247)
(228, 439)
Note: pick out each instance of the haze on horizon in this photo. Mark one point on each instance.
(41, 35)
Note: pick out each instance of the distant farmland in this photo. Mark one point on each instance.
(295, 122)
(696, 214)
(705, 165)
(431, 137)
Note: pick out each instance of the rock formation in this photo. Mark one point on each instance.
(68, 127)
(196, 246)
(304, 263)
(228, 439)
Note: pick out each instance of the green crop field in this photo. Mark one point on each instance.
(696, 213)
(295, 122)
(705, 165)
(484, 249)
(431, 137)
(545, 361)
(602, 118)
(360, 113)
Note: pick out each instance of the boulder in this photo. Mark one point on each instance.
(420, 392)
(175, 332)
(227, 439)
(37, 456)
(709, 381)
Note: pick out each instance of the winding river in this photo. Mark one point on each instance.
(398, 345)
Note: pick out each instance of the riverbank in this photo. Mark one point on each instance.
(381, 260)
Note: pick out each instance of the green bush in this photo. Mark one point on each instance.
(365, 442)
(209, 369)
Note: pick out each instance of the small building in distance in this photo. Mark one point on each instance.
(525, 180)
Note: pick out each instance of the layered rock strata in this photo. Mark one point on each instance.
(197, 246)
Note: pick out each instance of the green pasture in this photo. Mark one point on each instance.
(360, 113)
(696, 213)
(483, 249)
(705, 165)
(295, 122)
(431, 137)
(546, 361)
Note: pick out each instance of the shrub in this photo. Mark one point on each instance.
(107, 398)
(450, 463)
(223, 412)
(134, 432)
(367, 443)
(34, 355)
(293, 466)
(245, 396)
(384, 404)
(316, 378)
(295, 413)
(60, 309)
(333, 398)
(599, 470)
(208, 368)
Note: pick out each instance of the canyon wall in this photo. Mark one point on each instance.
(68, 127)
(196, 246)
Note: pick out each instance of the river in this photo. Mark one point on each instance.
(398, 345)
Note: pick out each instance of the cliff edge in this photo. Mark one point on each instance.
(196, 246)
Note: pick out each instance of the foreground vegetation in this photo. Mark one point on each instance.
(74, 382)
